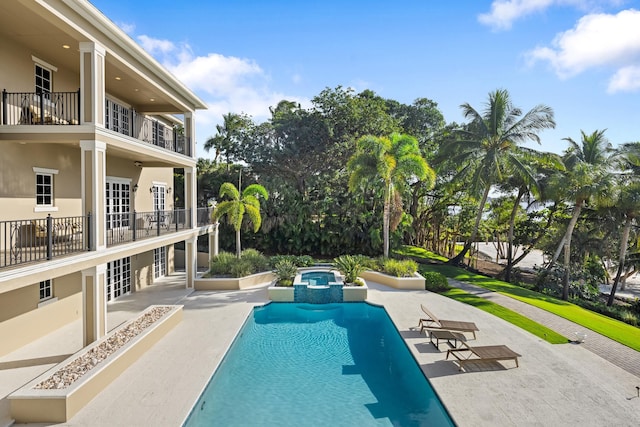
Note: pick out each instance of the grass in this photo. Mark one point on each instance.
(509, 315)
(611, 328)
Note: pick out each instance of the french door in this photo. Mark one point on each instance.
(118, 278)
(159, 262)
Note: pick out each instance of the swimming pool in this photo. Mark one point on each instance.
(312, 365)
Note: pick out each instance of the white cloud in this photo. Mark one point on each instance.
(504, 12)
(127, 28)
(598, 40)
(626, 79)
(156, 46)
(226, 83)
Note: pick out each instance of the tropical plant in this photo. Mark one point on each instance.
(297, 260)
(234, 209)
(350, 266)
(229, 136)
(587, 175)
(435, 281)
(228, 264)
(488, 148)
(399, 268)
(285, 272)
(628, 204)
(393, 163)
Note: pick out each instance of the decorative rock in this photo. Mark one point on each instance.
(70, 373)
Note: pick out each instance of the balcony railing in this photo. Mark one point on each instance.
(204, 216)
(133, 226)
(47, 108)
(128, 122)
(63, 108)
(33, 240)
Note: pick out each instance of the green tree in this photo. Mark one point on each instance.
(489, 146)
(229, 136)
(627, 203)
(239, 204)
(392, 162)
(587, 175)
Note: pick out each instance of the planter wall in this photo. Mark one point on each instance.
(354, 293)
(232, 283)
(410, 283)
(31, 405)
(280, 293)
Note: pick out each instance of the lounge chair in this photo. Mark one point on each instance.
(432, 321)
(487, 353)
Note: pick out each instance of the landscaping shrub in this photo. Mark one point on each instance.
(435, 282)
(285, 272)
(399, 268)
(226, 264)
(257, 261)
(241, 268)
(350, 266)
(297, 260)
(220, 265)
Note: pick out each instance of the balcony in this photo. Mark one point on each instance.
(127, 121)
(30, 108)
(63, 108)
(34, 240)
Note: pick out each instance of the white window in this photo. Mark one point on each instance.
(118, 278)
(46, 290)
(44, 78)
(44, 189)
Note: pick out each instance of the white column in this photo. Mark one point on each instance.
(92, 75)
(213, 241)
(94, 303)
(190, 133)
(190, 194)
(93, 175)
(191, 261)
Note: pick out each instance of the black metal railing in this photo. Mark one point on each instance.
(132, 226)
(46, 108)
(203, 216)
(128, 122)
(32, 240)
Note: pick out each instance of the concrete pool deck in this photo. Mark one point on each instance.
(563, 384)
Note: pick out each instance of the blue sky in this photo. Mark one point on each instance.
(580, 57)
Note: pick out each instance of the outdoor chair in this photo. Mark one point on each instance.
(488, 353)
(431, 321)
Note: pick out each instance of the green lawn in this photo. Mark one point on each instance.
(614, 329)
(509, 315)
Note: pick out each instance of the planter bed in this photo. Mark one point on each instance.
(232, 283)
(416, 282)
(58, 394)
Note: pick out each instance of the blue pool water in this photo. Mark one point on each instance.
(318, 277)
(318, 365)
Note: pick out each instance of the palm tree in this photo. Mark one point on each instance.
(489, 147)
(238, 205)
(392, 162)
(541, 166)
(587, 175)
(628, 203)
(228, 135)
